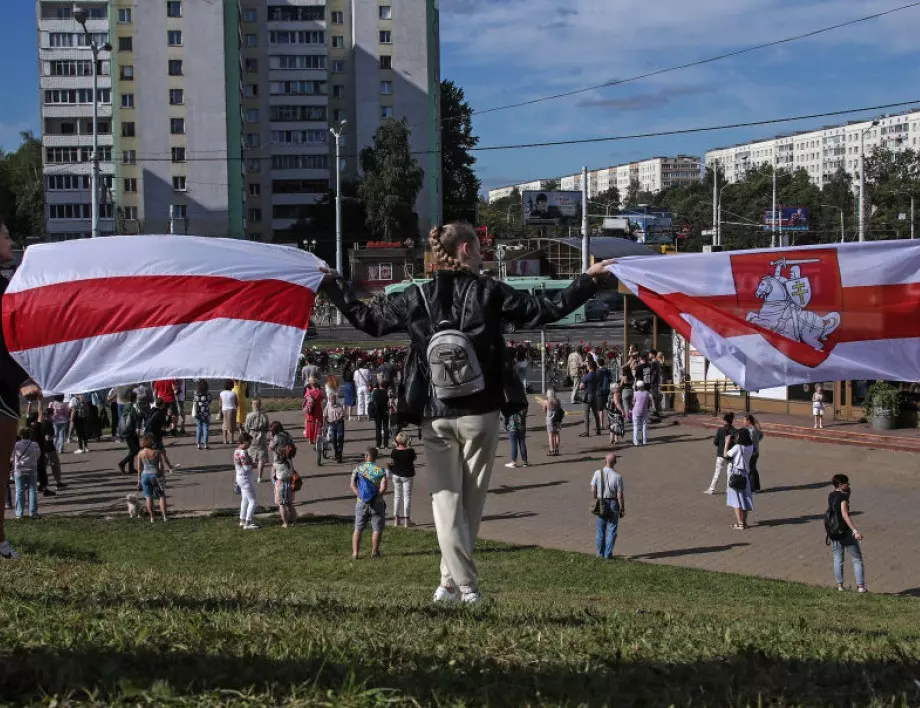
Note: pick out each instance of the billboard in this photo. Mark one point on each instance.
(650, 225)
(551, 208)
(789, 219)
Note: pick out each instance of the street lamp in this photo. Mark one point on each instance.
(337, 132)
(80, 15)
(862, 180)
(832, 206)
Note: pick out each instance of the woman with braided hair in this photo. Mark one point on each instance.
(460, 423)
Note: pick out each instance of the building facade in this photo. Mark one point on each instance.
(307, 66)
(502, 192)
(820, 152)
(169, 117)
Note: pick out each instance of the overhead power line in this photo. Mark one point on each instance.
(700, 62)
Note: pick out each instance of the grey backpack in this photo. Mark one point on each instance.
(452, 361)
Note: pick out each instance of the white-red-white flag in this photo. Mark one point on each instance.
(89, 314)
(775, 317)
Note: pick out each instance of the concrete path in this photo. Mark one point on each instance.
(668, 518)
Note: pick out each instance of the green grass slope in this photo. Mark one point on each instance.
(195, 612)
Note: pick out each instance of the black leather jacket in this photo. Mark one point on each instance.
(490, 303)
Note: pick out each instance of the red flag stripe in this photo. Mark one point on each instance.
(70, 311)
(870, 313)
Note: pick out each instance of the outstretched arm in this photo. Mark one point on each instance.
(376, 319)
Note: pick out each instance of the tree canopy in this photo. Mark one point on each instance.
(460, 185)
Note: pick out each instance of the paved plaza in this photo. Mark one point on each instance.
(668, 518)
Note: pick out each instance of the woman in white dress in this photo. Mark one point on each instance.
(739, 450)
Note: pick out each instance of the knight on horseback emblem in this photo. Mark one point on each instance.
(786, 295)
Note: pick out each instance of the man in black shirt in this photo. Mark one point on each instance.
(726, 431)
(589, 389)
(848, 540)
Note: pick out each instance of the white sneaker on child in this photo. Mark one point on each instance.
(443, 594)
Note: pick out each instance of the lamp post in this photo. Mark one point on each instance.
(831, 206)
(862, 180)
(80, 15)
(337, 132)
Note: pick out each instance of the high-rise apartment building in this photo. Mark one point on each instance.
(214, 115)
(307, 66)
(169, 117)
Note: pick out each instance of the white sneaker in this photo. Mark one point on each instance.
(510, 464)
(710, 492)
(471, 598)
(250, 527)
(443, 594)
(78, 452)
(7, 552)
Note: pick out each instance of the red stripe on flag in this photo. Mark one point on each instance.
(66, 312)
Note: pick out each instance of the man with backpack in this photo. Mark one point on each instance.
(128, 425)
(726, 431)
(842, 533)
(369, 484)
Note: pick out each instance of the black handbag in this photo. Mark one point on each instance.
(600, 505)
(737, 481)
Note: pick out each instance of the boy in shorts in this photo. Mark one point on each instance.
(369, 483)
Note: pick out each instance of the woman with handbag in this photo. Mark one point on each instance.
(738, 451)
(460, 313)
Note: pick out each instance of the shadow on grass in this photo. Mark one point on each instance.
(55, 550)
(679, 552)
(747, 677)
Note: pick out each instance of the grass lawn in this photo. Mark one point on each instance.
(196, 612)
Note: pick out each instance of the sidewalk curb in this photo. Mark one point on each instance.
(827, 436)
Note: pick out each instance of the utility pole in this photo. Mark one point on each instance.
(585, 238)
(773, 213)
(862, 180)
(715, 203)
(912, 216)
(337, 132)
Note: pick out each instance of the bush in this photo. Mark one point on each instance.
(883, 396)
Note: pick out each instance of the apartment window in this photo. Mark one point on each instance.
(251, 65)
(178, 154)
(386, 61)
(173, 8)
(127, 100)
(338, 66)
(297, 88)
(286, 13)
(338, 41)
(175, 67)
(129, 157)
(124, 15)
(338, 114)
(297, 113)
(253, 165)
(297, 61)
(290, 37)
(178, 211)
(386, 88)
(62, 155)
(338, 91)
(125, 44)
(386, 37)
(255, 190)
(385, 12)
(177, 126)
(174, 38)
(250, 15)
(300, 162)
(252, 40)
(380, 271)
(338, 18)
(130, 184)
(300, 186)
(66, 129)
(126, 72)
(253, 140)
(251, 90)
(129, 213)
(254, 215)
(127, 130)
(386, 111)
(179, 183)
(297, 137)
(252, 115)
(176, 97)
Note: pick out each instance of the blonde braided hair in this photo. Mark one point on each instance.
(445, 243)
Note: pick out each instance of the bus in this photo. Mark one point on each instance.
(533, 285)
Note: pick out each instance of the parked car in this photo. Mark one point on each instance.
(596, 310)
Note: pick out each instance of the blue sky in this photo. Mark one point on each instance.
(502, 51)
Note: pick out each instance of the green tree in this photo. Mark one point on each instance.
(891, 179)
(21, 191)
(392, 181)
(460, 183)
(632, 194)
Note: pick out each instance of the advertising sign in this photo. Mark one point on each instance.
(789, 219)
(650, 226)
(551, 208)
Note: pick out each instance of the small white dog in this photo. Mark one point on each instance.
(134, 506)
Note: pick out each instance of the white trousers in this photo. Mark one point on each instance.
(721, 466)
(248, 493)
(363, 394)
(402, 496)
(460, 454)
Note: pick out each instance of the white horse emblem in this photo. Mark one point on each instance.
(784, 303)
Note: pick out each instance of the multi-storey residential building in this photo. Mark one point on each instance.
(170, 125)
(820, 152)
(308, 66)
(532, 186)
(652, 176)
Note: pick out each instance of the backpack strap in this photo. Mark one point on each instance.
(465, 300)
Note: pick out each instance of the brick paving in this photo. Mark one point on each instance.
(668, 518)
